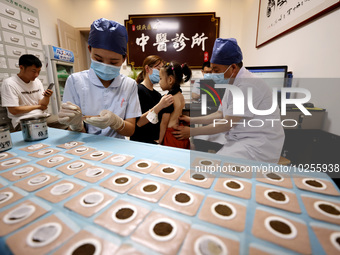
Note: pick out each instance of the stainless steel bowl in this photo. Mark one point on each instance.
(34, 128)
(5, 138)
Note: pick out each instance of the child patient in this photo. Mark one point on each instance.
(171, 78)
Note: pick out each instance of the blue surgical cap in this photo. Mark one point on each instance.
(108, 35)
(226, 52)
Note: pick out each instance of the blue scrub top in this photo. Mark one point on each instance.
(86, 90)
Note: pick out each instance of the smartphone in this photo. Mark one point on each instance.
(50, 86)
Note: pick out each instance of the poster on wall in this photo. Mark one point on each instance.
(277, 17)
(182, 37)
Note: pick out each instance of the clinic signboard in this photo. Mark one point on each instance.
(182, 37)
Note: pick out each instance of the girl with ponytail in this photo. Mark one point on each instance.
(172, 75)
(151, 101)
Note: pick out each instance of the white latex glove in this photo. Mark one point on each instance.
(70, 114)
(106, 119)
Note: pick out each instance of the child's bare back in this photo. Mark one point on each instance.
(178, 104)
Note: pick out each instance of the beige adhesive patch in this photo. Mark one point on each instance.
(234, 187)
(89, 202)
(93, 174)
(36, 182)
(118, 159)
(74, 167)
(158, 231)
(282, 231)
(127, 249)
(277, 198)
(238, 170)
(44, 153)
(13, 162)
(8, 196)
(86, 243)
(278, 179)
(120, 182)
(149, 190)
(59, 191)
(169, 172)
(201, 242)
(183, 201)
(70, 145)
(256, 251)
(122, 217)
(79, 151)
(18, 216)
(202, 180)
(329, 239)
(34, 147)
(41, 237)
(205, 163)
(5, 155)
(21, 172)
(316, 185)
(53, 161)
(322, 209)
(96, 155)
(143, 166)
(223, 213)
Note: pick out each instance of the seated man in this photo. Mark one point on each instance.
(23, 94)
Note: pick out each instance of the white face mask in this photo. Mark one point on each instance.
(218, 78)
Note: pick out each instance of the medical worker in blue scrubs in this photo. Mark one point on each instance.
(100, 100)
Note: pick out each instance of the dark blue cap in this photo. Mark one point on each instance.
(108, 35)
(226, 52)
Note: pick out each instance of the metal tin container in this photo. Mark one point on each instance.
(34, 128)
(5, 138)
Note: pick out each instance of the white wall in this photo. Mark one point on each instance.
(311, 51)
(49, 12)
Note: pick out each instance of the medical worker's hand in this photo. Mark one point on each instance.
(70, 114)
(106, 119)
(185, 119)
(182, 132)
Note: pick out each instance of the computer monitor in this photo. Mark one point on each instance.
(274, 76)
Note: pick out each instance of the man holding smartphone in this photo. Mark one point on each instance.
(23, 94)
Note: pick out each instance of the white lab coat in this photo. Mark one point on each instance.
(254, 143)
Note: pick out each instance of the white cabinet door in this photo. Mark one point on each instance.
(9, 11)
(38, 54)
(11, 25)
(14, 51)
(13, 63)
(13, 38)
(33, 43)
(29, 19)
(3, 63)
(31, 31)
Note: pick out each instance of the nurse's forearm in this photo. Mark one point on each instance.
(209, 129)
(208, 119)
(127, 129)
